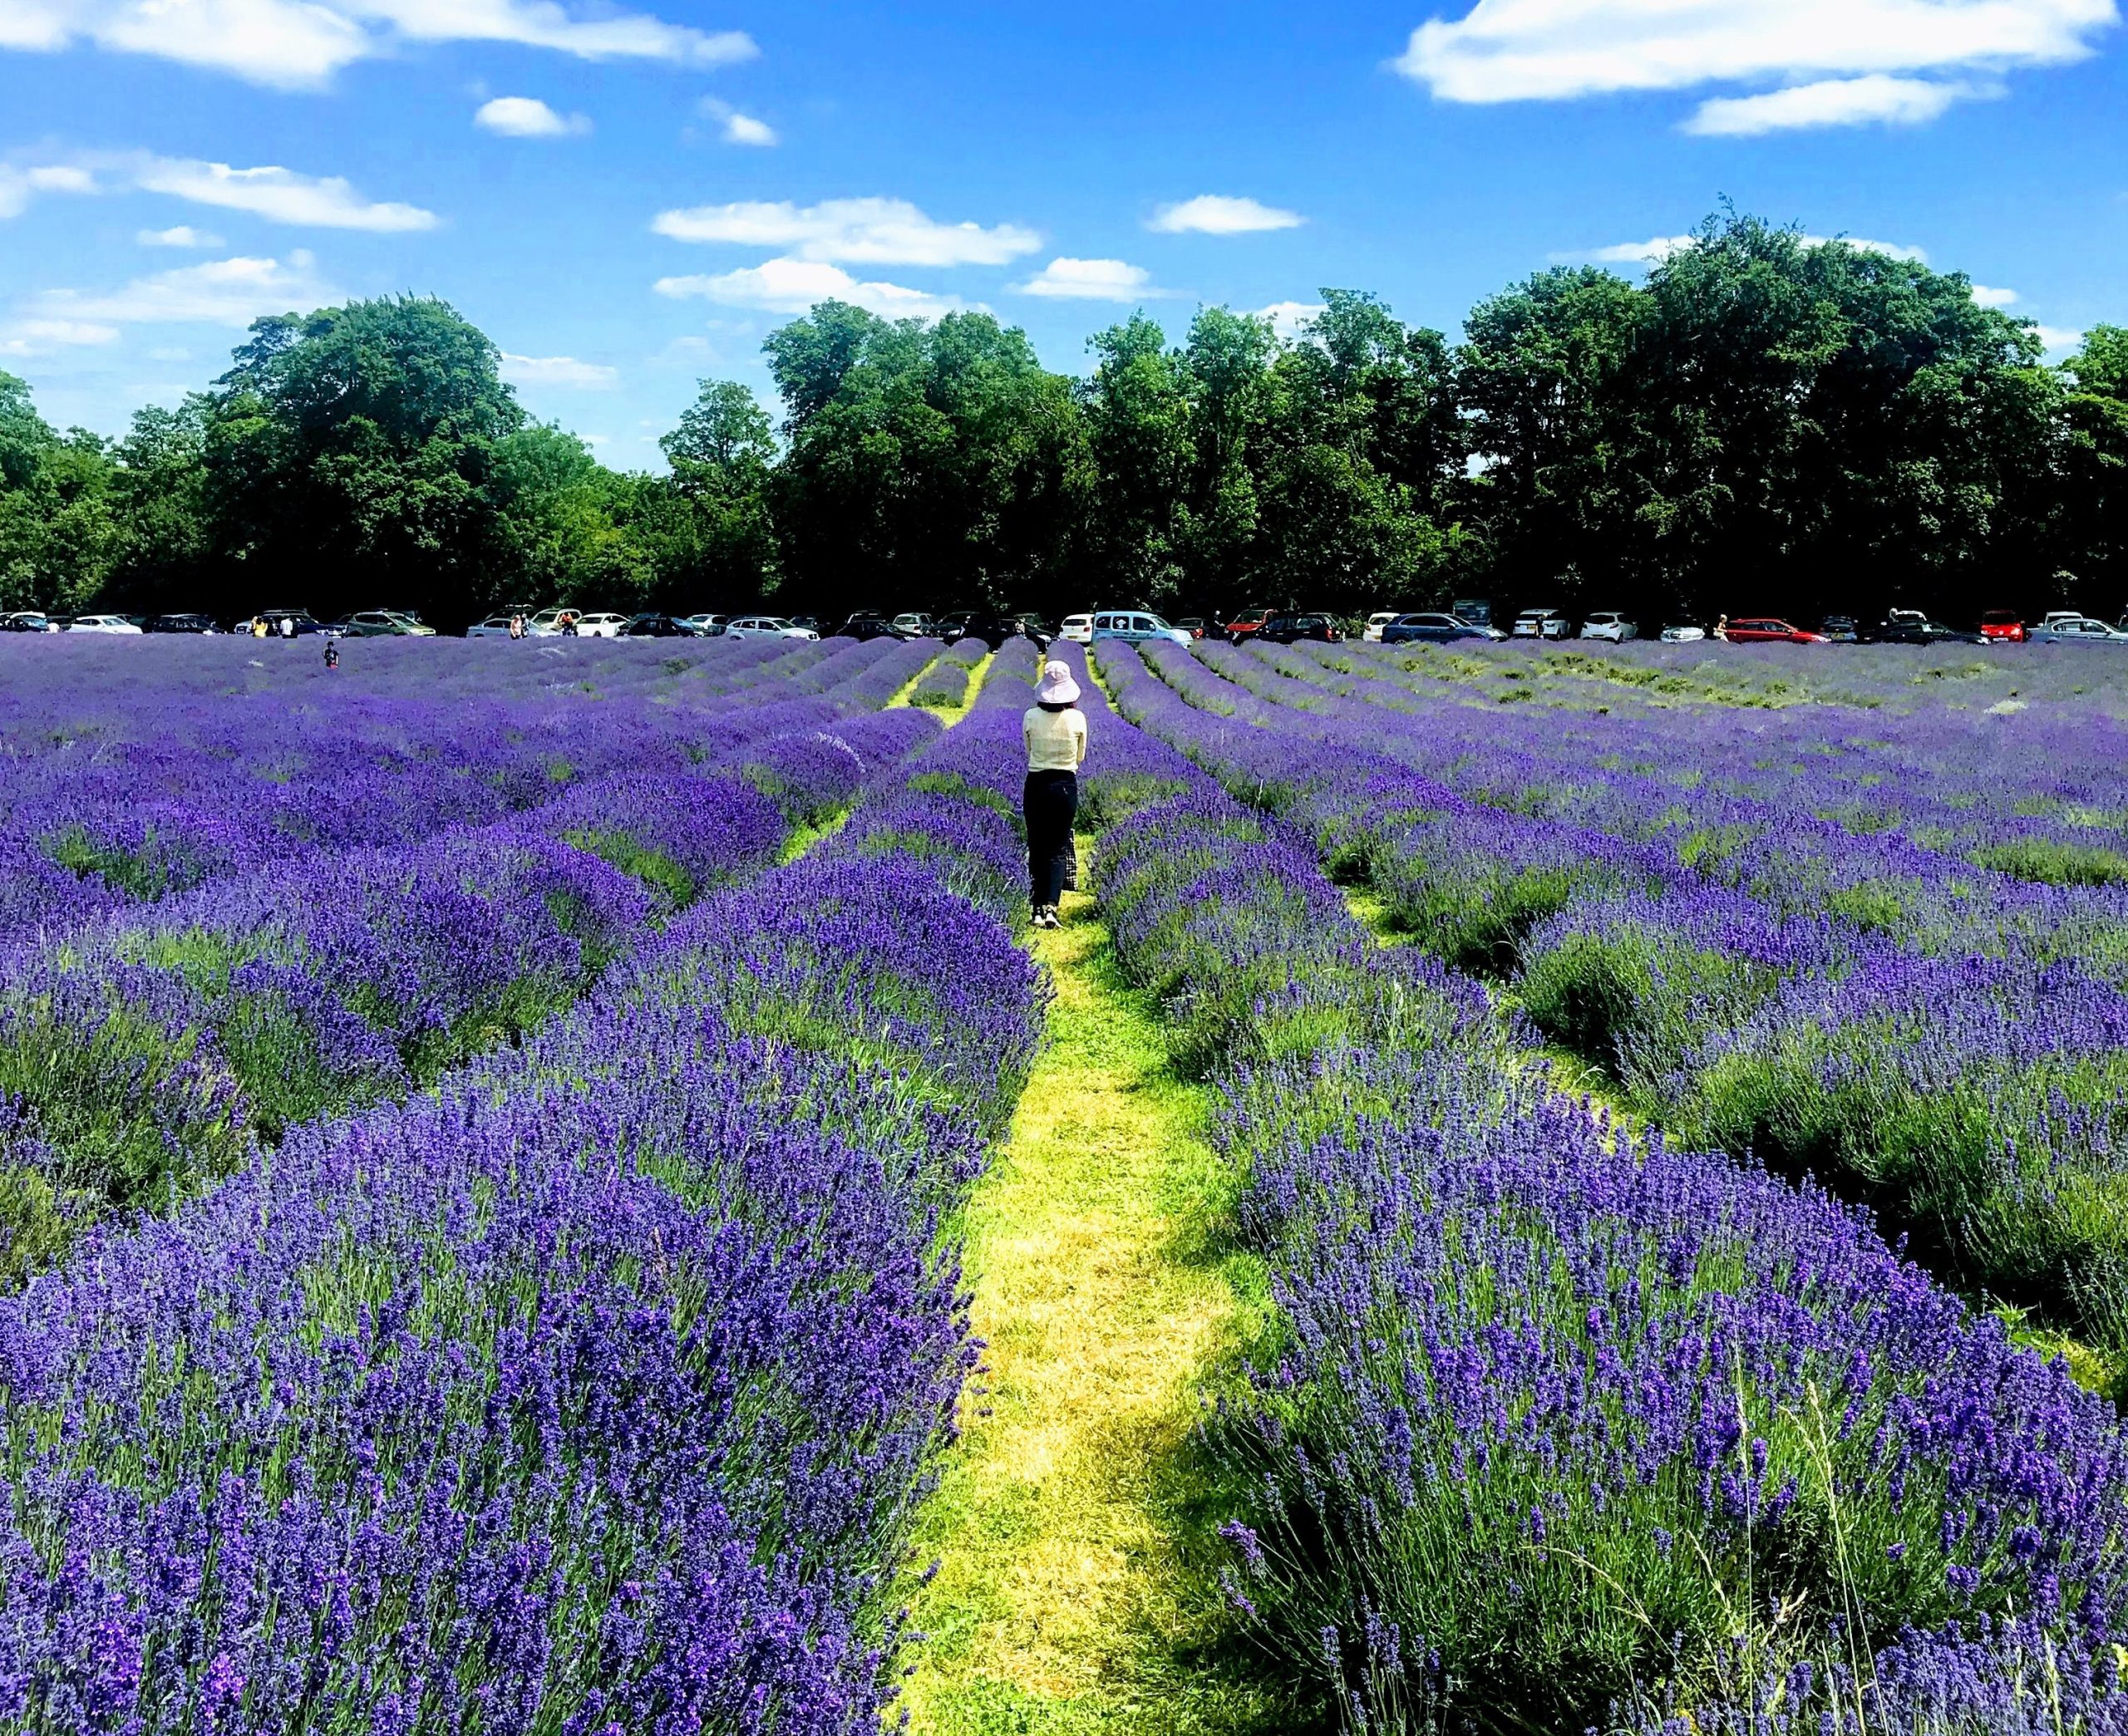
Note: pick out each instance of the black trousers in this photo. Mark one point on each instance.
(1051, 805)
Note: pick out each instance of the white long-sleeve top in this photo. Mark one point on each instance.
(1057, 741)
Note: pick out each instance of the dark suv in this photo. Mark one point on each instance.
(870, 627)
(1286, 629)
(994, 630)
(180, 624)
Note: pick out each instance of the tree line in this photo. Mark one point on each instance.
(1763, 424)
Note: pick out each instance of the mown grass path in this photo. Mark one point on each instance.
(1075, 1590)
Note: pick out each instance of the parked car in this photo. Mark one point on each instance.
(916, 624)
(495, 626)
(1193, 625)
(180, 624)
(1079, 629)
(2054, 615)
(1245, 623)
(1910, 626)
(767, 627)
(2059, 629)
(1135, 626)
(1842, 630)
(656, 626)
(1683, 633)
(948, 627)
(812, 624)
(1435, 629)
(871, 626)
(1476, 611)
(385, 623)
(1290, 629)
(2005, 626)
(704, 626)
(601, 624)
(102, 624)
(27, 620)
(302, 627)
(1542, 624)
(549, 623)
(1768, 630)
(1375, 623)
(1609, 624)
(994, 630)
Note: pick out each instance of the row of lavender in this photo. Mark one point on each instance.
(591, 1390)
(1560, 1427)
(152, 1049)
(1947, 1043)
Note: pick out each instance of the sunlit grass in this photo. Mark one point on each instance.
(1072, 1527)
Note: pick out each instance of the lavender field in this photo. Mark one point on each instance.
(533, 1192)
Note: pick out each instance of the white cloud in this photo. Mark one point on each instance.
(19, 186)
(737, 129)
(42, 336)
(1988, 297)
(2058, 337)
(850, 231)
(225, 293)
(280, 195)
(304, 42)
(527, 117)
(1287, 317)
(183, 235)
(1092, 280)
(1506, 50)
(559, 370)
(1214, 213)
(794, 286)
(1831, 102)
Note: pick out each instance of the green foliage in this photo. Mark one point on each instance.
(1818, 425)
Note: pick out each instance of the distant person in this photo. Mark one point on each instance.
(1055, 731)
(332, 653)
(516, 626)
(287, 626)
(258, 627)
(1721, 628)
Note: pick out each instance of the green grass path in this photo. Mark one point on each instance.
(1074, 1591)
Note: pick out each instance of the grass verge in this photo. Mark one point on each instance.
(1075, 1590)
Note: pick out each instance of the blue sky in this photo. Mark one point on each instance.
(628, 200)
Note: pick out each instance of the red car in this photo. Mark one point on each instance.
(1765, 629)
(1248, 621)
(2003, 624)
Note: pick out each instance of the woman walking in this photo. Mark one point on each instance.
(1055, 729)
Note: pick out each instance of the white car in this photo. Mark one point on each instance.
(549, 622)
(1609, 624)
(603, 625)
(1684, 635)
(1134, 627)
(767, 627)
(1541, 624)
(1079, 629)
(1377, 621)
(102, 624)
(2060, 629)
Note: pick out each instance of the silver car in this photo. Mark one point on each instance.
(1542, 624)
(767, 627)
(1134, 627)
(2076, 630)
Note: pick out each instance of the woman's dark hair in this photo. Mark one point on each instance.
(1054, 705)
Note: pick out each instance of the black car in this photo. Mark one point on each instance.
(25, 620)
(994, 630)
(1287, 629)
(1908, 629)
(1432, 629)
(950, 627)
(300, 625)
(179, 624)
(870, 627)
(1841, 629)
(656, 626)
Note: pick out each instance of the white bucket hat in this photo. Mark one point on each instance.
(1057, 687)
